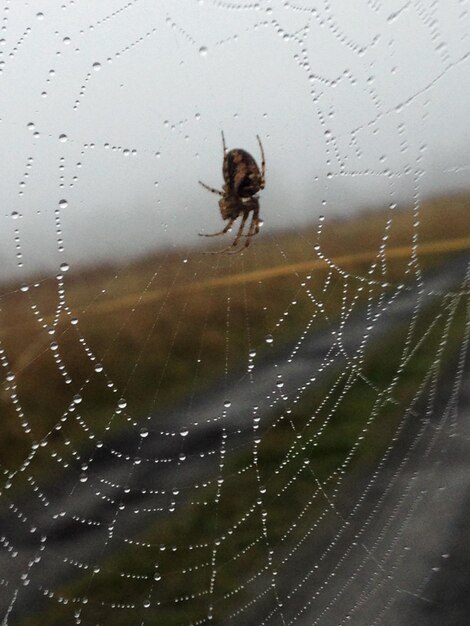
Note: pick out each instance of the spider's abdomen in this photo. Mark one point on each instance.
(241, 173)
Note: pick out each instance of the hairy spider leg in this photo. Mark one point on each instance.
(263, 162)
(212, 189)
(252, 231)
(254, 226)
(237, 238)
(222, 232)
(223, 143)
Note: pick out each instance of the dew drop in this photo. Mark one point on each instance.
(63, 204)
(63, 138)
(203, 51)
(269, 339)
(144, 432)
(227, 404)
(96, 66)
(64, 267)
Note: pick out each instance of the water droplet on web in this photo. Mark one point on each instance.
(63, 204)
(269, 339)
(40, 15)
(66, 41)
(144, 432)
(184, 432)
(64, 267)
(157, 577)
(83, 478)
(203, 51)
(122, 403)
(98, 367)
(96, 66)
(227, 404)
(77, 398)
(63, 138)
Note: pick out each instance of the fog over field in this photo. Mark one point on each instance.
(111, 112)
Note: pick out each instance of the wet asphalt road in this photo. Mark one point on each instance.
(404, 532)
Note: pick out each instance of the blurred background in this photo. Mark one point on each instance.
(258, 438)
(118, 109)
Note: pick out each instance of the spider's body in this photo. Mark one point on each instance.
(243, 180)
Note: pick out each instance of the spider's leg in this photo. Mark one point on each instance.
(254, 225)
(223, 143)
(212, 189)
(263, 162)
(253, 230)
(237, 238)
(222, 232)
(240, 230)
(239, 234)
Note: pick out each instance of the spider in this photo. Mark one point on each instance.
(243, 181)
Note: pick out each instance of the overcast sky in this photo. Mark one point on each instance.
(116, 107)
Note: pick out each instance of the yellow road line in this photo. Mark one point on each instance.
(434, 247)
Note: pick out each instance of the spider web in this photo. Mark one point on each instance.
(275, 437)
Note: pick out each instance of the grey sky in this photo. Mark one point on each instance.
(357, 103)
